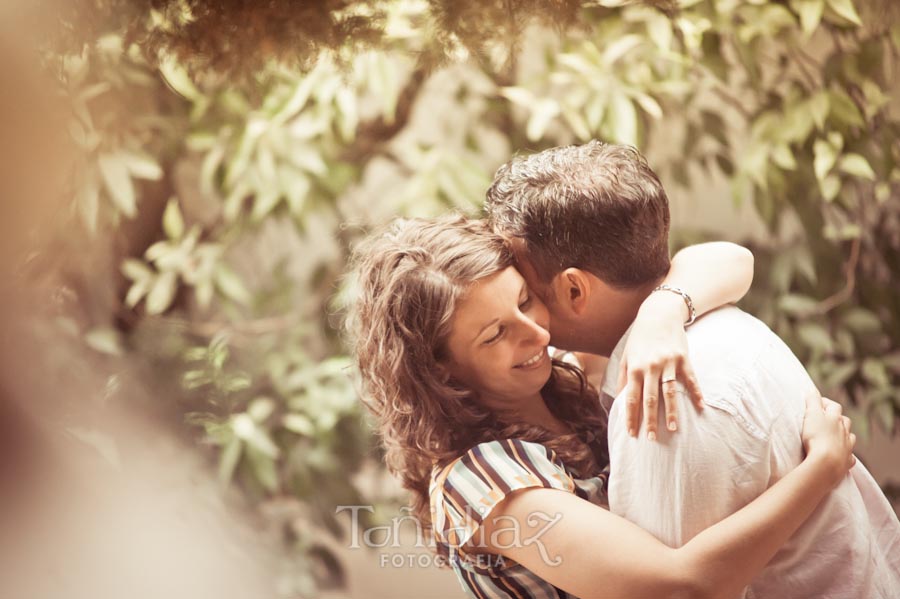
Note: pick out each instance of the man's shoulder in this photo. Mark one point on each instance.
(729, 332)
(727, 317)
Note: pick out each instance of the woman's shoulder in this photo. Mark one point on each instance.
(495, 462)
(472, 484)
(465, 491)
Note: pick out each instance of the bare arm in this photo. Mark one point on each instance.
(600, 554)
(712, 274)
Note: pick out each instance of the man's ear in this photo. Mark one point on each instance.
(572, 289)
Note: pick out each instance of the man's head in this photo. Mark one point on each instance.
(590, 227)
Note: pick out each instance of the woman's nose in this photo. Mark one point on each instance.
(533, 332)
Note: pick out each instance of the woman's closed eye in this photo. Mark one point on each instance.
(496, 336)
(523, 305)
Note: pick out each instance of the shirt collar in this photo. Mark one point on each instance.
(611, 377)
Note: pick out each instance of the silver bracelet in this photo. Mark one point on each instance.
(692, 314)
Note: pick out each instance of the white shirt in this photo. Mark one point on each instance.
(746, 439)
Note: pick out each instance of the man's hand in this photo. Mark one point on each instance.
(656, 357)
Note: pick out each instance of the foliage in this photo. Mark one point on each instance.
(250, 194)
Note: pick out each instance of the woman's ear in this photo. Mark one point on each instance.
(442, 371)
(572, 290)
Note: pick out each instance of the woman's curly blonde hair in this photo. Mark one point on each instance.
(410, 279)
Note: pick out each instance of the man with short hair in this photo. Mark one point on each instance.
(590, 225)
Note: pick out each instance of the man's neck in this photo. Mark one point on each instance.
(614, 314)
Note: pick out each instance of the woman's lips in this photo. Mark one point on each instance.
(534, 361)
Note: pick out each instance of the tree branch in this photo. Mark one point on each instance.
(844, 294)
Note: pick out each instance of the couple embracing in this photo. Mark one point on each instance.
(537, 485)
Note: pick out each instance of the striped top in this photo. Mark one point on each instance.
(464, 493)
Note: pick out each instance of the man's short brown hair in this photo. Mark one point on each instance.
(598, 207)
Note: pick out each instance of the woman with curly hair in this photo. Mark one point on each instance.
(475, 414)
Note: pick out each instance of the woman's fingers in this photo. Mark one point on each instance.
(834, 410)
(691, 384)
(815, 403)
(651, 402)
(633, 402)
(670, 396)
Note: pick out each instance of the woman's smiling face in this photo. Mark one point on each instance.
(498, 339)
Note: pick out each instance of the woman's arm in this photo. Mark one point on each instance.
(589, 552)
(712, 274)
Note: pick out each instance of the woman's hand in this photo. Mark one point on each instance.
(656, 357)
(827, 438)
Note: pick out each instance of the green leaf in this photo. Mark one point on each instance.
(815, 337)
(895, 35)
(231, 285)
(659, 29)
(844, 109)
(141, 165)
(884, 411)
(118, 183)
(89, 202)
(649, 104)
(623, 119)
(308, 159)
(542, 113)
(797, 305)
(783, 157)
(203, 291)
(825, 157)
(518, 95)
(349, 114)
(136, 270)
(839, 374)
(300, 424)
(594, 111)
(255, 436)
(819, 106)
(161, 293)
(173, 222)
(830, 187)
(856, 165)
(620, 47)
(385, 73)
(261, 408)
(576, 123)
(298, 99)
(105, 340)
(177, 78)
(137, 292)
(295, 186)
(861, 321)
(263, 203)
(803, 261)
(263, 468)
(846, 10)
(228, 460)
(810, 12)
(874, 371)
(892, 361)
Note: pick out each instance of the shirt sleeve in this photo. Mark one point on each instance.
(467, 490)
